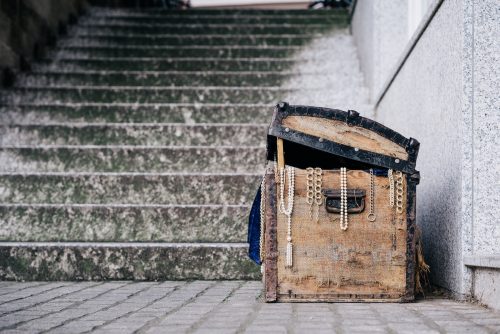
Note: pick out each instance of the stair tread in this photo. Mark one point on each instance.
(42, 112)
(126, 244)
(127, 147)
(132, 159)
(126, 174)
(120, 205)
(133, 124)
(121, 223)
(190, 88)
(129, 187)
(167, 47)
(125, 261)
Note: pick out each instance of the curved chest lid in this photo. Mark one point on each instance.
(344, 134)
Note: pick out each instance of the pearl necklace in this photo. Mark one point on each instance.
(371, 215)
(344, 220)
(314, 184)
(287, 211)
(399, 192)
(390, 175)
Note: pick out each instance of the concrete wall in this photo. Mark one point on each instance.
(483, 89)
(380, 30)
(485, 86)
(26, 26)
(446, 95)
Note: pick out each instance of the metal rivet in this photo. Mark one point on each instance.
(320, 140)
(287, 130)
(356, 149)
(396, 161)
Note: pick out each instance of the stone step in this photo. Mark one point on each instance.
(165, 79)
(219, 52)
(116, 159)
(188, 40)
(45, 261)
(166, 64)
(191, 113)
(145, 134)
(124, 223)
(210, 28)
(116, 94)
(214, 12)
(129, 188)
(218, 19)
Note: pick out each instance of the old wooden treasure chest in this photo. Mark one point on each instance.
(337, 208)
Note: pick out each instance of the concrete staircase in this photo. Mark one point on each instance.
(134, 149)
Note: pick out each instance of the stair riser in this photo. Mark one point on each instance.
(177, 52)
(218, 20)
(157, 79)
(147, 160)
(147, 135)
(213, 12)
(187, 40)
(124, 263)
(166, 65)
(131, 224)
(137, 114)
(191, 29)
(132, 189)
(119, 95)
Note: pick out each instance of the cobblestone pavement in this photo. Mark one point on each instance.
(216, 307)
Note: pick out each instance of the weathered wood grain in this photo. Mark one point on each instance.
(339, 132)
(270, 240)
(359, 264)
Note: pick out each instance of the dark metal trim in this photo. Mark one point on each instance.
(411, 202)
(271, 240)
(352, 118)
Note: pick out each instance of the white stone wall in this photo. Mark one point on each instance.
(485, 85)
(380, 30)
(446, 96)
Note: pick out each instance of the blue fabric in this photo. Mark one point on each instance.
(254, 230)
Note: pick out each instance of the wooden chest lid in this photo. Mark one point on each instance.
(343, 133)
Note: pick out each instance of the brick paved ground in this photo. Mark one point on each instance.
(216, 307)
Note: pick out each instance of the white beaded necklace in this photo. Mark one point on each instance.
(390, 175)
(344, 220)
(287, 211)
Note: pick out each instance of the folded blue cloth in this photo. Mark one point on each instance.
(254, 230)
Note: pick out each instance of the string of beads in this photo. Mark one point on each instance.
(310, 189)
(371, 215)
(287, 210)
(318, 197)
(344, 219)
(390, 175)
(399, 192)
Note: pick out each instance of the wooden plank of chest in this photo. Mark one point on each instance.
(339, 132)
(368, 258)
